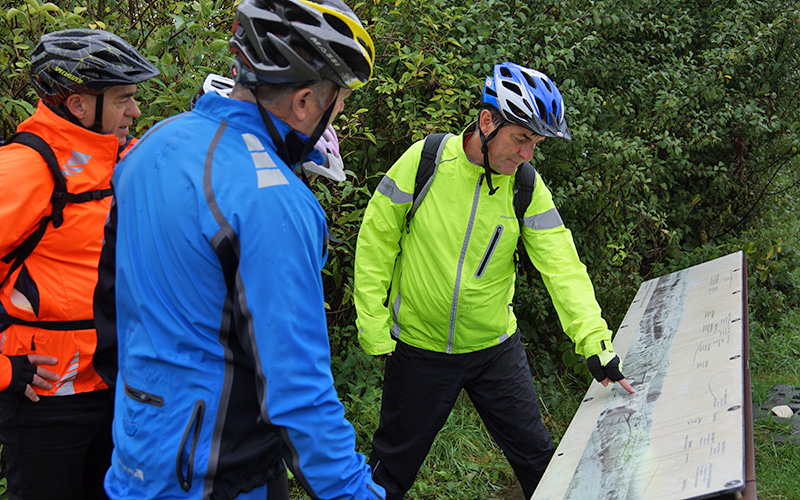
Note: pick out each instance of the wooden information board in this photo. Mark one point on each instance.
(683, 434)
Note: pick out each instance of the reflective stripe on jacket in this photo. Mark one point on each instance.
(57, 280)
(452, 285)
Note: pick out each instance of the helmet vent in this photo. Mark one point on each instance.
(542, 110)
(528, 78)
(107, 57)
(303, 50)
(274, 56)
(263, 27)
(265, 5)
(530, 108)
(69, 44)
(90, 74)
(517, 111)
(338, 25)
(347, 54)
(300, 16)
(505, 72)
(490, 91)
(367, 48)
(513, 87)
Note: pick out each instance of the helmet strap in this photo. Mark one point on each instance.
(288, 149)
(98, 114)
(485, 150)
(320, 128)
(280, 145)
(312, 140)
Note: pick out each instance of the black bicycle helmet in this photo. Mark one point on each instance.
(84, 61)
(294, 42)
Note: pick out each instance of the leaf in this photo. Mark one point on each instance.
(10, 13)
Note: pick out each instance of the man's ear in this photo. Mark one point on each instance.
(77, 105)
(485, 122)
(303, 104)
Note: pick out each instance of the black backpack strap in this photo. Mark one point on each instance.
(38, 144)
(97, 194)
(524, 183)
(428, 163)
(17, 256)
(81, 324)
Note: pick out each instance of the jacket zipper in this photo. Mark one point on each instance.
(489, 251)
(196, 423)
(144, 397)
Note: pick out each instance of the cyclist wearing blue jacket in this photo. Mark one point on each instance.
(224, 362)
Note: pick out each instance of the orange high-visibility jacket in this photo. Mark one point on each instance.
(57, 280)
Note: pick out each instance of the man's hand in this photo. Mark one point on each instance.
(25, 373)
(606, 367)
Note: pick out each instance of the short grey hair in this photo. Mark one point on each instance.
(272, 94)
(497, 117)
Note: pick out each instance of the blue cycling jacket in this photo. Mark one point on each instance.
(224, 361)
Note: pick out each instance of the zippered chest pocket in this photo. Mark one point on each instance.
(487, 256)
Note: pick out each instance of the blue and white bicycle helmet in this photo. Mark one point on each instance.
(527, 98)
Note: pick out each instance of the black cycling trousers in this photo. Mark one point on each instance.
(57, 448)
(419, 391)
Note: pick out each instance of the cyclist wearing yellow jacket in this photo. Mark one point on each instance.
(450, 278)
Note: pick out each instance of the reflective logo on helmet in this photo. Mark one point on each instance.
(489, 82)
(325, 52)
(69, 75)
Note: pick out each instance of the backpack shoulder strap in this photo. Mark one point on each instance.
(524, 183)
(17, 256)
(39, 145)
(428, 164)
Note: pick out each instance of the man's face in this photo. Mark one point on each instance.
(119, 110)
(511, 146)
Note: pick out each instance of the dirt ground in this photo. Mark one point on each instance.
(512, 493)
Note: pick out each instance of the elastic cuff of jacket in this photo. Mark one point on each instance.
(593, 347)
(378, 350)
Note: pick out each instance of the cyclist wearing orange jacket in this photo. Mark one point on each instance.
(60, 446)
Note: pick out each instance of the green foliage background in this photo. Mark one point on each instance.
(684, 116)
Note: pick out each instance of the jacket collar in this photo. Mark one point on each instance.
(244, 116)
(62, 134)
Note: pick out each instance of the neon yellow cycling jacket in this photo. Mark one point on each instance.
(451, 272)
